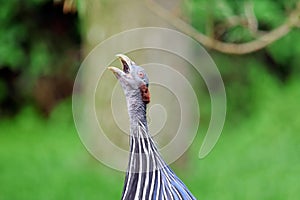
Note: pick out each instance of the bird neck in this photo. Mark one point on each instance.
(137, 112)
(144, 155)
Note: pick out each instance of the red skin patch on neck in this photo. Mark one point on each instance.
(145, 94)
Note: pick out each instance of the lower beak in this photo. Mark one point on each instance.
(116, 71)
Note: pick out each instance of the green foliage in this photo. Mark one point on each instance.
(238, 34)
(3, 90)
(36, 40)
(269, 13)
(15, 32)
(39, 59)
(11, 53)
(232, 15)
(242, 75)
(44, 159)
(286, 50)
(257, 155)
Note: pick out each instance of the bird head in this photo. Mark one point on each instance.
(132, 78)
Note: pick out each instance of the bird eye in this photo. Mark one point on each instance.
(141, 74)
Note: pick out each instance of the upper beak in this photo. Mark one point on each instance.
(126, 62)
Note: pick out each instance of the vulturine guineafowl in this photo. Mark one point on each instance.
(148, 177)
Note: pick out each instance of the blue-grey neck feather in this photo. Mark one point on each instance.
(136, 110)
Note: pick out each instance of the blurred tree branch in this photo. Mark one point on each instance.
(231, 48)
(251, 18)
(69, 6)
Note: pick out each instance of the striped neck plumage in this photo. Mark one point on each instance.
(148, 177)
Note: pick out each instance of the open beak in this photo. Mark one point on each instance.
(126, 62)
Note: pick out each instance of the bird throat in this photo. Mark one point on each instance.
(137, 101)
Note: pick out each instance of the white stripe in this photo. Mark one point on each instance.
(140, 171)
(152, 185)
(147, 172)
(158, 185)
(153, 170)
(164, 190)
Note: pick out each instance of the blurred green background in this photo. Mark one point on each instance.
(42, 43)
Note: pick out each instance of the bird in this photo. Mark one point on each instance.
(148, 177)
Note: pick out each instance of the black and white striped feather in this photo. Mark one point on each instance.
(148, 176)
